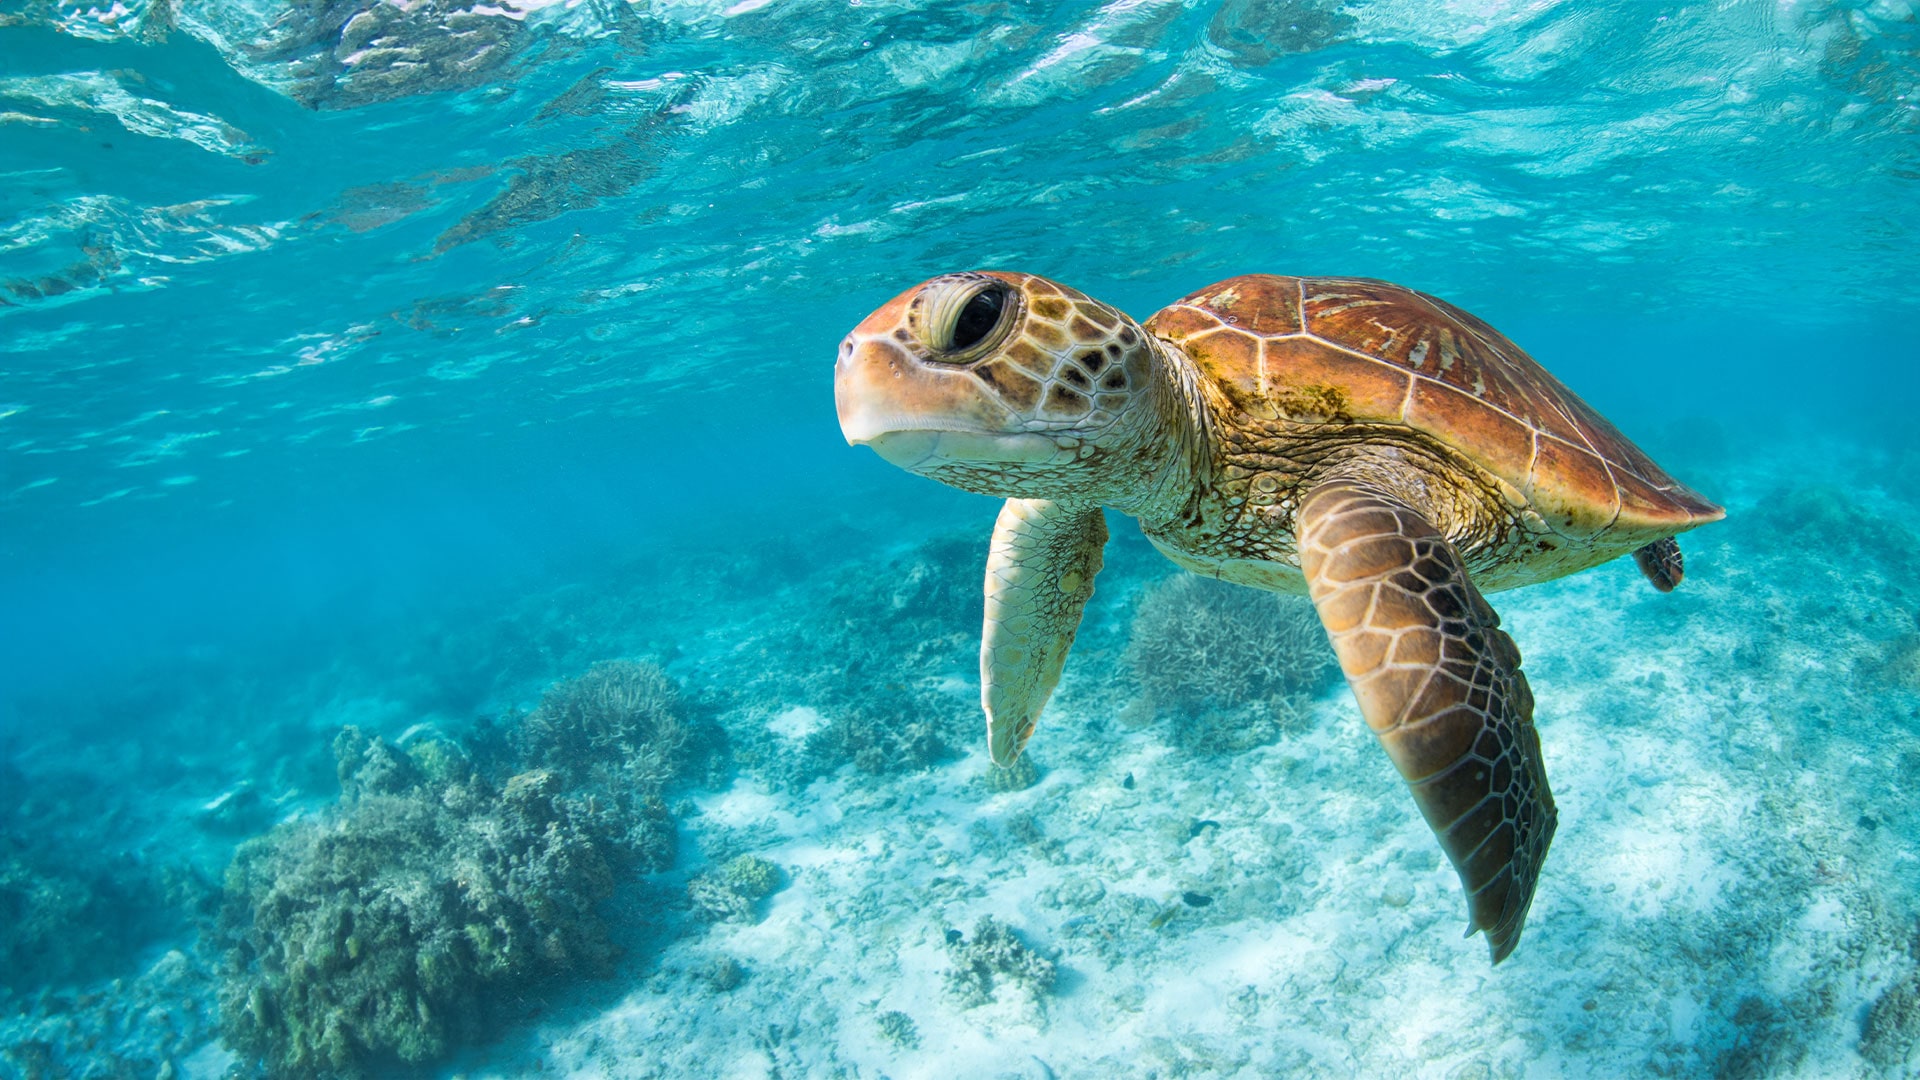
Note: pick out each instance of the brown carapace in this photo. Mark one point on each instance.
(1380, 450)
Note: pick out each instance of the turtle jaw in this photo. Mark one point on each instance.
(921, 450)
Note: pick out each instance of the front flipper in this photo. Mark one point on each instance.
(1039, 576)
(1439, 682)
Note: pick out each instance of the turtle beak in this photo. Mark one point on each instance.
(917, 416)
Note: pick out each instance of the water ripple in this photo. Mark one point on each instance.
(466, 218)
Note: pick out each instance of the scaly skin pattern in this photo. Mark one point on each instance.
(1040, 572)
(1068, 371)
(1440, 684)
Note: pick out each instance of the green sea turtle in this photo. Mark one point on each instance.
(1382, 451)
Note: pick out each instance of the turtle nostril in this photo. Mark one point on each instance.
(978, 318)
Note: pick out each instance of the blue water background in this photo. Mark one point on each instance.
(295, 368)
(319, 350)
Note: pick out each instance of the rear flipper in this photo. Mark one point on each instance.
(1439, 683)
(1662, 564)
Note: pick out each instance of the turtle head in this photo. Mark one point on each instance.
(1001, 383)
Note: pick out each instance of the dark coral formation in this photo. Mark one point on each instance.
(392, 927)
(1890, 1037)
(75, 904)
(619, 726)
(1230, 667)
(899, 1029)
(60, 920)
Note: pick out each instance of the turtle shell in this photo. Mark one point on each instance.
(1345, 350)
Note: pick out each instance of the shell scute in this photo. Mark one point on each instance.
(1572, 488)
(1504, 444)
(1394, 355)
(1297, 372)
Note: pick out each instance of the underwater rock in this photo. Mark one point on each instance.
(1232, 667)
(994, 957)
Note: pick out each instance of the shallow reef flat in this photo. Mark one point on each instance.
(1171, 887)
(1730, 893)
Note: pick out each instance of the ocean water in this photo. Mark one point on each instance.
(444, 632)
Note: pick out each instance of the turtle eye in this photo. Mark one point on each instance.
(977, 318)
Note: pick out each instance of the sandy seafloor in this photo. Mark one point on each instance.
(1731, 890)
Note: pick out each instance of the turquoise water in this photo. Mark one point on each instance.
(388, 365)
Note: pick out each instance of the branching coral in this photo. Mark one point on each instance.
(733, 892)
(1232, 667)
(899, 1029)
(620, 724)
(994, 956)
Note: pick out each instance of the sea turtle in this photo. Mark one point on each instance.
(1380, 450)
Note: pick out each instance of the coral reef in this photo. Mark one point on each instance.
(899, 1029)
(620, 724)
(1890, 1036)
(383, 930)
(59, 921)
(75, 902)
(142, 1025)
(994, 957)
(1019, 776)
(872, 655)
(734, 892)
(390, 928)
(875, 740)
(1231, 667)
(723, 975)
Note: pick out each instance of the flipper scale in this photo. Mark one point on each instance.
(1443, 692)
